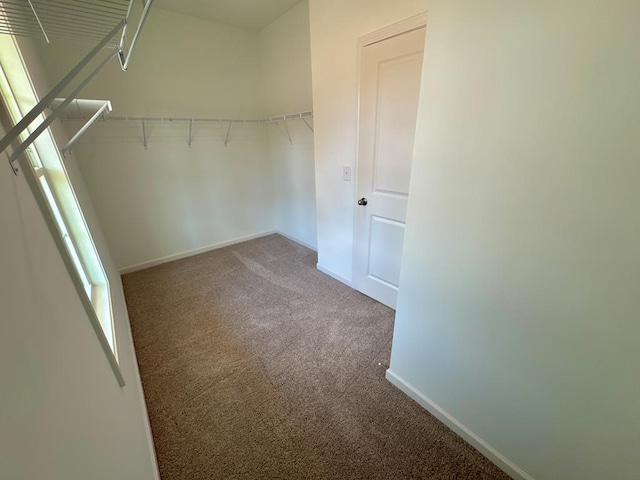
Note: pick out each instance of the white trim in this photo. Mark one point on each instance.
(335, 275)
(450, 421)
(190, 253)
(393, 30)
(141, 398)
(294, 239)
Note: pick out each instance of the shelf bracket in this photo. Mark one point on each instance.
(126, 58)
(307, 124)
(14, 168)
(144, 134)
(35, 14)
(285, 131)
(106, 108)
(56, 112)
(190, 132)
(226, 138)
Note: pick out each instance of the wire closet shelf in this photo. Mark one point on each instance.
(103, 23)
(76, 114)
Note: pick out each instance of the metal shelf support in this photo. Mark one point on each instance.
(226, 138)
(126, 58)
(308, 124)
(144, 134)
(106, 108)
(285, 131)
(35, 14)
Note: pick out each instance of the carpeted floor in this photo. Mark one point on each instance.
(255, 365)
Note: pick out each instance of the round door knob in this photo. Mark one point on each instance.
(363, 201)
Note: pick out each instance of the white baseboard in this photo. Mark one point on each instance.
(333, 274)
(190, 253)
(137, 383)
(294, 239)
(483, 447)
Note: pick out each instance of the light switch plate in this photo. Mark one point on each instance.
(346, 173)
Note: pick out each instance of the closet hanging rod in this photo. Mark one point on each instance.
(274, 119)
(188, 123)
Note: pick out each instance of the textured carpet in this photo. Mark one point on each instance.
(255, 365)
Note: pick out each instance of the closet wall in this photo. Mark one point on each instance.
(170, 200)
(64, 414)
(520, 318)
(285, 57)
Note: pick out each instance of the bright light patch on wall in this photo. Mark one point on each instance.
(19, 97)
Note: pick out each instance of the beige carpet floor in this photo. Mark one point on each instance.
(255, 365)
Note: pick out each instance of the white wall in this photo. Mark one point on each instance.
(519, 294)
(285, 60)
(336, 26)
(285, 56)
(182, 67)
(170, 199)
(63, 414)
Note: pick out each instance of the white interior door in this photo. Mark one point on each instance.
(389, 91)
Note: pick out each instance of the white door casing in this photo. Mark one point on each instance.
(389, 90)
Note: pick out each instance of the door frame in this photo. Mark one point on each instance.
(395, 29)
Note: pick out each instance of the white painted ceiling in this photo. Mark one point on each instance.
(248, 14)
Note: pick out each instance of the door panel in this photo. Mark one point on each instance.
(394, 142)
(385, 251)
(389, 91)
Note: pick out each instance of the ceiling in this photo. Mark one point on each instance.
(248, 14)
